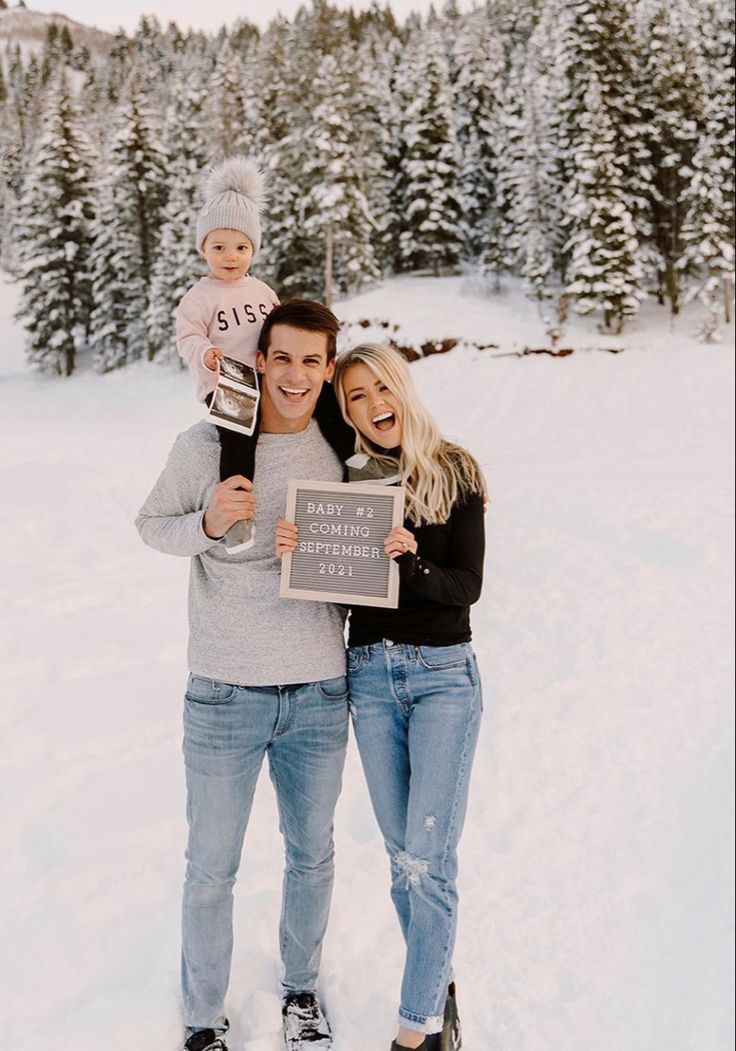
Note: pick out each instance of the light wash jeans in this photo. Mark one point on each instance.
(416, 712)
(227, 730)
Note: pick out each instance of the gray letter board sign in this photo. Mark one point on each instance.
(339, 555)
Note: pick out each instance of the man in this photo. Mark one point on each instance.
(267, 677)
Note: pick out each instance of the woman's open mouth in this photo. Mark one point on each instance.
(384, 422)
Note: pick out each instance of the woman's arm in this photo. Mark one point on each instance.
(459, 582)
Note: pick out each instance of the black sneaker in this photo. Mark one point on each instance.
(451, 1036)
(205, 1040)
(430, 1043)
(305, 1026)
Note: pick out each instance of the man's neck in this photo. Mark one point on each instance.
(273, 423)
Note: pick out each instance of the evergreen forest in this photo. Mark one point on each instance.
(584, 146)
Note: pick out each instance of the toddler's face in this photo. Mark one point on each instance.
(228, 254)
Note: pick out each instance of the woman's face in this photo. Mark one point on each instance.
(372, 408)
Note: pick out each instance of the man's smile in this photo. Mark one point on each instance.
(293, 393)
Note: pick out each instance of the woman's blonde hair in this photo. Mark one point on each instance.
(434, 472)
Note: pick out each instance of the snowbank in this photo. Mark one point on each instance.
(595, 865)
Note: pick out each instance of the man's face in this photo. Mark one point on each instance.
(292, 373)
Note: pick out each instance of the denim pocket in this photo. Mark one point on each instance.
(357, 656)
(334, 689)
(475, 676)
(439, 658)
(209, 691)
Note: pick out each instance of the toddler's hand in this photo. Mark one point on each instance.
(212, 359)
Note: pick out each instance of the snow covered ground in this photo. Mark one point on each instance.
(596, 863)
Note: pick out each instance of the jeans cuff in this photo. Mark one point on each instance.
(416, 1024)
(220, 1027)
(296, 990)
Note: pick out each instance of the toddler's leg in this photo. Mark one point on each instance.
(238, 456)
(237, 453)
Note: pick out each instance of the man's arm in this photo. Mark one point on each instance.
(175, 519)
(171, 519)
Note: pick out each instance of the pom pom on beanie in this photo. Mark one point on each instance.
(234, 197)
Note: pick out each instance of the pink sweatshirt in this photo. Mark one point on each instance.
(222, 314)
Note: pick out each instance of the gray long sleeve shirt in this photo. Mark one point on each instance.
(240, 630)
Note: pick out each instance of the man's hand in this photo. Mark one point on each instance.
(212, 359)
(286, 537)
(232, 501)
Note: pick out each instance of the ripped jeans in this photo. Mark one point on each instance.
(416, 713)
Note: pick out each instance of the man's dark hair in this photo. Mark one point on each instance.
(303, 314)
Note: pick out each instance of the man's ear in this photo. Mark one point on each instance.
(260, 361)
(330, 370)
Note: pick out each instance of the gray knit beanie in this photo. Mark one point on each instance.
(234, 196)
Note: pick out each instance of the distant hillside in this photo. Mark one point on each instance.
(18, 25)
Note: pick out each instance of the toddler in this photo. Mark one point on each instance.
(223, 313)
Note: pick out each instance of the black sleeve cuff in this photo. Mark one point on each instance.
(411, 566)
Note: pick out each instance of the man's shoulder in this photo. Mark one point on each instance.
(199, 440)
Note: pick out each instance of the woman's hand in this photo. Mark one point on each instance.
(287, 535)
(398, 542)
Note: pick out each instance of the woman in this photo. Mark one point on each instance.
(414, 686)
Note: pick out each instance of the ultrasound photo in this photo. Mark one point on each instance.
(234, 407)
(230, 369)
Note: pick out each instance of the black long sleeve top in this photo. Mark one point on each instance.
(437, 585)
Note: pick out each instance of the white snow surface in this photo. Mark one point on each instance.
(596, 863)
